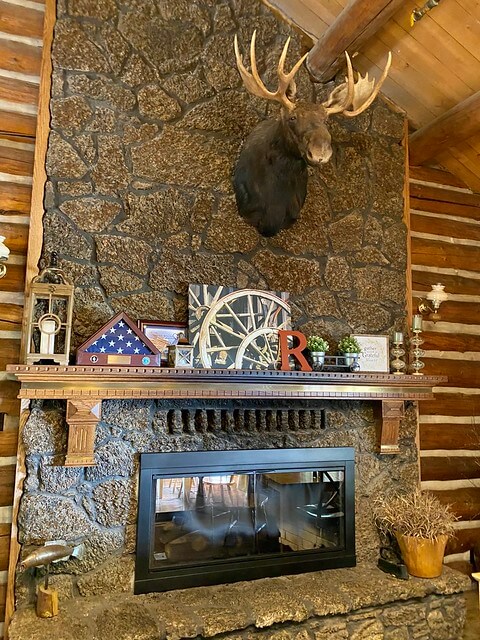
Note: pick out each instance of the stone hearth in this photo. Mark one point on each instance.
(339, 604)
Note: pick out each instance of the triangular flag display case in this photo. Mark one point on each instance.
(119, 342)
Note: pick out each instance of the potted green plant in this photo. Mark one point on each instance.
(421, 525)
(349, 347)
(317, 346)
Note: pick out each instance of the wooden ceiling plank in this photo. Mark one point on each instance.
(463, 26)
(418, 57)
(469, 160)
(357, 23)
(451, 54)
(457, 124)
(410, 80)
(392, 87)
(452, 164)
(299, 14)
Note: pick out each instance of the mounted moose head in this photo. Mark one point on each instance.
(270, 177)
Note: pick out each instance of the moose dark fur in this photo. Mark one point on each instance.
(271, 174)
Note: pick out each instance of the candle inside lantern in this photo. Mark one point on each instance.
(417, 322)
(47, 336)
(398, 336)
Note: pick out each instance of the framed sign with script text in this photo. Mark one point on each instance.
(374, 356)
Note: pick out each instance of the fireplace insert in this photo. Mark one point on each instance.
(209, 517)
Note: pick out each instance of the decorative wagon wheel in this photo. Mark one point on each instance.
(247, 320)
(259, 350)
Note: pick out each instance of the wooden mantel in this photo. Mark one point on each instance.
(84, 388)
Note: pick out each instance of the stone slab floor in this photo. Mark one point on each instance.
(472, 625)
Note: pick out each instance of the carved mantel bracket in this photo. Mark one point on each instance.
(84, 388)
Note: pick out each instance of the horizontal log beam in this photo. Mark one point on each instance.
(427, 192)
(451, 404)
(452, 468)
(444, 227)
(422, 281)
(465, 503)
(461, 373)
(450, 208)
(357, 23)
(454, 126)
(442, 254)
(464, 540)
(437, 176)
(450, 341)
(15, 198)
(10, 317)
(449, 436)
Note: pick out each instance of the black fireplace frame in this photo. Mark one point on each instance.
(167, 465)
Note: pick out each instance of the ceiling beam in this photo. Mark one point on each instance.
(357, 23)
(454, 126)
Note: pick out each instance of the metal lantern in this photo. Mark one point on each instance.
(49, 317)
(180, 354)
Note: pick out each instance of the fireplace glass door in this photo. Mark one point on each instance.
(201, 523)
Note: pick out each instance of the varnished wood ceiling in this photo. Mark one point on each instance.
(436, 66)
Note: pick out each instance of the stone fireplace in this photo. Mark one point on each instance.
(144, 133)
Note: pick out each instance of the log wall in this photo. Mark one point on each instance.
(21, 40)
(445, 232)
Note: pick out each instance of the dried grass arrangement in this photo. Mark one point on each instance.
(418, 514)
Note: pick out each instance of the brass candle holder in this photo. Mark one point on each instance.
(398, 352)
(416, 343)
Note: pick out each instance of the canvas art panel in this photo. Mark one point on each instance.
(236, 328)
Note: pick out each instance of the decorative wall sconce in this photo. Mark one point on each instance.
(432, 301)
(49, 317)
(4, 253)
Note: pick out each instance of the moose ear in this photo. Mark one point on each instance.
(292, 91)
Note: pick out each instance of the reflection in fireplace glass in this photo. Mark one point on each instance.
(216, 517)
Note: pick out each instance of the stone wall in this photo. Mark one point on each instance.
(148, 115)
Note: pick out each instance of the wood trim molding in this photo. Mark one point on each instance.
(35, 239)
(84, 388)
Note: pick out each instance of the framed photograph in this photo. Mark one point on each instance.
(163, 334)
(374, 357)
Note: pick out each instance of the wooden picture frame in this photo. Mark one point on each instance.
(163, 333)
(375, 354)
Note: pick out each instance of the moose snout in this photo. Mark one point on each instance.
(315, 157)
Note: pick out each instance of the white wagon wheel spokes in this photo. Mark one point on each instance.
(234, 317)
(259, 350)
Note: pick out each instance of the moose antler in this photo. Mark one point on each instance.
(364, 93)
(253, 83)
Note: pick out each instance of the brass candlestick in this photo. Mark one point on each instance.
(398, 362)
(417, 342)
